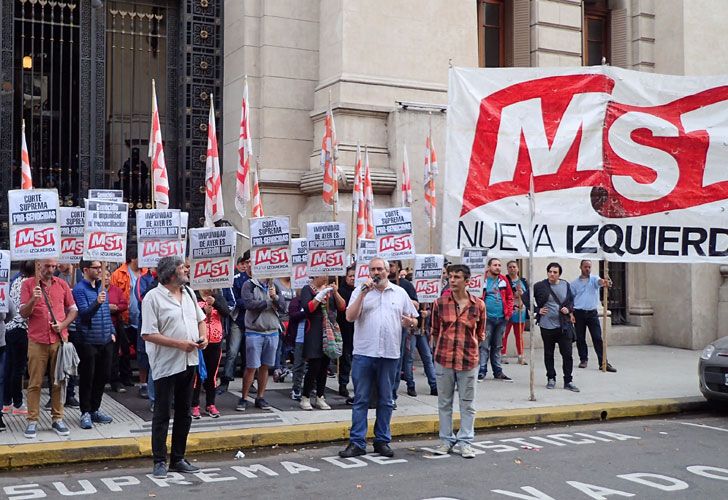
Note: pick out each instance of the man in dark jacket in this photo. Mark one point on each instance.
(555, 305)
(95, 333)
(347, 335)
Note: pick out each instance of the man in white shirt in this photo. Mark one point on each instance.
(379, 310)
(173, 325)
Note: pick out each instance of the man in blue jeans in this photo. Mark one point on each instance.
(379, 310)
(498, 298)
(234, 343)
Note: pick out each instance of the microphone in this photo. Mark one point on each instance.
(375, 279)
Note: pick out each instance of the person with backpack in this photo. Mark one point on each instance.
(555, 305)
(321, 302)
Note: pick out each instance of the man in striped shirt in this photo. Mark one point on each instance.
(458, 328)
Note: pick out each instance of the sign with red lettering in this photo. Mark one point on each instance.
(626, 166)
(477, 260)
(159, 234)
(427, 278)
(212, 254)
(105, 231)
(4, 280)
(270, 253)
(393, 233)
(72, 221)
(299, 263)
(34, 230)
(366, 251)
(326, 242)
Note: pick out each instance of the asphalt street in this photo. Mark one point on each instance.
(680, 457)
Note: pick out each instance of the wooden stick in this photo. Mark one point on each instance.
(605, 295)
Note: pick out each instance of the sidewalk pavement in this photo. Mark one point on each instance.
(650, 380)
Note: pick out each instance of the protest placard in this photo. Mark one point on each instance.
(326, 248)
(270, 253)
(299, 260)
(212, 254)
(72, 222)
(4, 280)
(366, 251)
(34, 230)
(393, 232)
(106, 194)
(184, 223)
(104, 236)
(428, 277)
(476, 259)
(159, 234)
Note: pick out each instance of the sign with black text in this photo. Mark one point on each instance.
(4, 280)
(477, 260)
(159, 234)
(104, 238)
(365, 252)
(427, 278)
(393, 232)
(299, 261)
(72, 221)
(270, 252)
(106, 194)
(34, 230)
(212, 255)
(326, 248)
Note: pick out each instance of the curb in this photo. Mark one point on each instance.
(29, 455)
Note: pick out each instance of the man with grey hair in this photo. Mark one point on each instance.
(379, 310)
(174, 328)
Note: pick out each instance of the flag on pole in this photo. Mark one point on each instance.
(245, 152)
(214, 210)
(368, 197)
(359, 200)
(160, 181)
(26, 181)
(431, 171)
(257, 202)
(406, 183)
(328, 161)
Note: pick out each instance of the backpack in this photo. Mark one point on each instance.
(333, 344)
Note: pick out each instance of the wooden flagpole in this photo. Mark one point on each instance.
(354, 207)
(605, 296)
(531, 280)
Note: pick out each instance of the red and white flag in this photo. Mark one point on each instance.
(431, 171)
(328, 161)
(406, 183)
(214, 210)
(368, 197)
(257, 201)
(156, 153)
(245, 153)
(26, 181)
(358, 200)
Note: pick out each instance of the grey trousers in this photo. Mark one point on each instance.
(466, 382)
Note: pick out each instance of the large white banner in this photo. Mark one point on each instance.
(73, 220)
(393, 232)
(104, 238)
(34, 231)
(270, 252)
(627, 166)
(212, 255)
(159, 234)
(4, 280)
(326, 243)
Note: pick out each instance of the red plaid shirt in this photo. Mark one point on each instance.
(458, 333)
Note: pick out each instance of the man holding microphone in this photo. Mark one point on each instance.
(379, 310)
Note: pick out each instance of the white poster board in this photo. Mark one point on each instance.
(326, 248)
(393, 232)
(159, 234)
(365, 252)
(270, 252)
(72, 222)
(34, 230)
(106, 194)
(299, 259)
(477, 260)
(4, 280)
(428, 277)
(104, 238)
(212, 255)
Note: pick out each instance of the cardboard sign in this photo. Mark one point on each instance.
(393, 232)
(270, 253)
(299, 260)
(72, 222)
(428, 277)
(477, 260)
(4, 280)
(326, 248)
(104, 238)
(366, 251)
(212, 255)
(159, 234)
(34, 231)
(106, 194)
(184, 223)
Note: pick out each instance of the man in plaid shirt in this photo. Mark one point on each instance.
(458, 328)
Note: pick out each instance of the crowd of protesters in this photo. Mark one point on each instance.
(185, 341)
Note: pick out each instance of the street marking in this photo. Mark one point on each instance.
(705, 426)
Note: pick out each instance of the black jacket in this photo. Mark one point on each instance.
(542, 292)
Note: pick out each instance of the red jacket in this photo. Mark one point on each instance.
(504, 286)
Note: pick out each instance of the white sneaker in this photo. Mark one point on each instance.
(321, 404)
(305, 403)
(443, 449)
(466, 451)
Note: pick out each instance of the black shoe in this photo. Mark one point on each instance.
(433, 391)
(222, 388)
(343, 391)
(583, 364)
(383, 449)
(394, 405)
(127, 383)
(3, 427)
(159, 471)
(611, 369)
(350, 401)
(503, 376)
(262, 404)
(72, 402)
(183, 466)
(352, 451)
(412, 392)
(117, 387)
(242, 405)
(48, 406)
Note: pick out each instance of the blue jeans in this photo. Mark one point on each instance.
(422, 344)
(491, 347)
(234, 343)
(367, 372)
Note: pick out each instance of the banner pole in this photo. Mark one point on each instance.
(151, 170)
(532, 302)
(605, 295)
